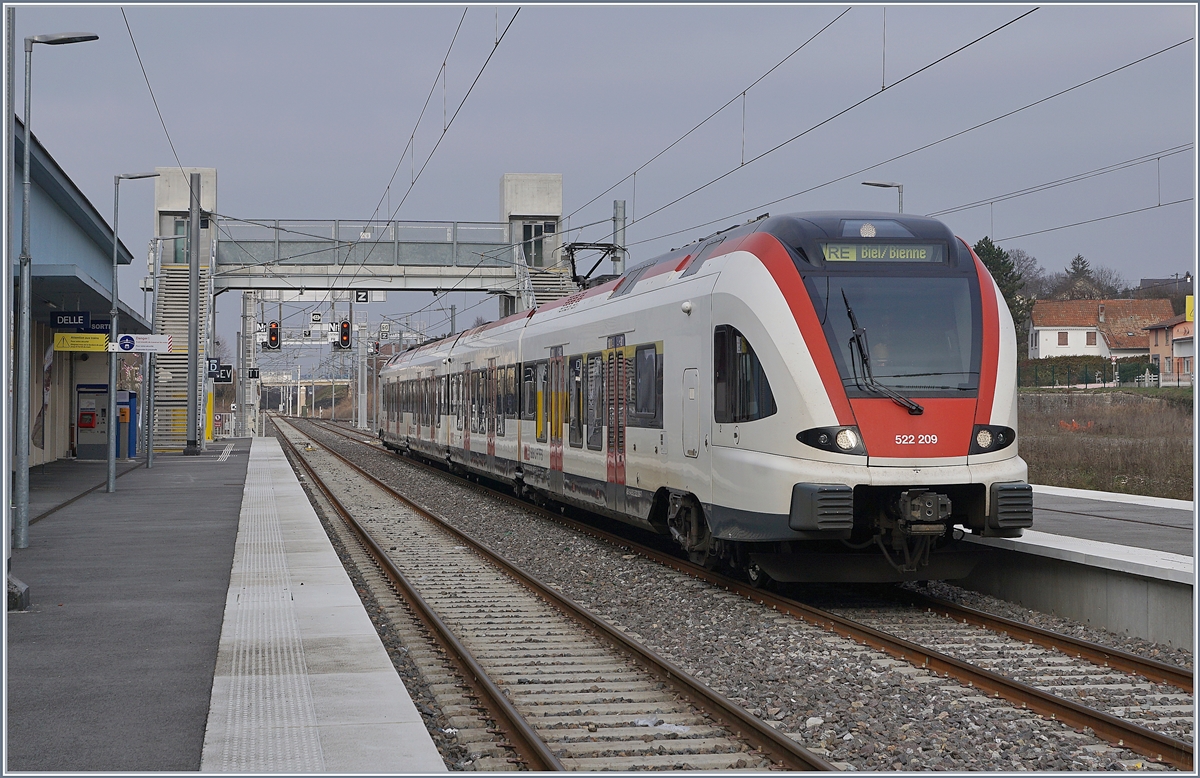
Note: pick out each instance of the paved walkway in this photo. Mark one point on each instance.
(111, 668)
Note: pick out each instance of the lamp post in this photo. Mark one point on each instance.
(114, 333)
(24, 314)
(889, 185)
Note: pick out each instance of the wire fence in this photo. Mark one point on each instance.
(1096, 372)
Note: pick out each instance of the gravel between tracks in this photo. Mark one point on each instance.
(857, 706)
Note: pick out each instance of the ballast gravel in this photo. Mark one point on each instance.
(858, 707)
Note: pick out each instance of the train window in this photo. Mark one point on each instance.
(443, 398)
(528, 393)
(497, 376)
(644, 367)
(645, 392)
(510, 392)
(741, 391)
(541, 402)
(596, 410)
(575, 395)
(458, 399)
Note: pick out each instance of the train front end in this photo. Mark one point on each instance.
(916, 354)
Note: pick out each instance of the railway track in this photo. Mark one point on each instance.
(1132, 702)
(567, 690)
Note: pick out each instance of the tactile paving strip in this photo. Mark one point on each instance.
(270, 721)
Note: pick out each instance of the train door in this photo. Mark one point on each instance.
(617, 385)
(558, 373)
(491, 406)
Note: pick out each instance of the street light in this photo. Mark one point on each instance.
(889, 185)
(113, 334)
(24, 315)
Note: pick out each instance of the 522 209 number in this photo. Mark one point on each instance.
(916, 440)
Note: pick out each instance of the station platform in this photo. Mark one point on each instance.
(196, 619)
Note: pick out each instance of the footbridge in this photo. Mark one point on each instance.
(347, 256)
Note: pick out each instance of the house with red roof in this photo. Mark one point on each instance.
(1104, 328)
(1171, 346)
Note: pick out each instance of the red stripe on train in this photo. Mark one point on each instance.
(991, 342)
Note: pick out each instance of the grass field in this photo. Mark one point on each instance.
(1132, 441)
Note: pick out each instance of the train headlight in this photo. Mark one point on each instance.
(839, 440)
(987, 438)
(847, 439)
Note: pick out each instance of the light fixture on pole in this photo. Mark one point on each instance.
(25, 302)
(113, 335)
(889, 185)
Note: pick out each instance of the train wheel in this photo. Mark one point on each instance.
(757, 576)
(691, 531)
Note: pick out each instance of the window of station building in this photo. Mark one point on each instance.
(596, 409)
(1062, 338)
(575, 395)
(533, 241)
(179, 251)
(1091, 338)
(741, 391)
(528, 393)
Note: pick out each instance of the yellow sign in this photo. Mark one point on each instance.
(1189, 308)
(80, 341)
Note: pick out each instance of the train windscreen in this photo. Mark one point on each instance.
(920, 335)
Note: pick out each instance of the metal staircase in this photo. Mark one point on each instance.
(551, 283)
(170, 377)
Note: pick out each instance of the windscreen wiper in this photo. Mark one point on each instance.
(859, 341)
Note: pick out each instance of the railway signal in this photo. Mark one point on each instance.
(273, 336)
(343, 334)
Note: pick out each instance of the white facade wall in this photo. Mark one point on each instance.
(1044, 343)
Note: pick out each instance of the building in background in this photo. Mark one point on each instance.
(1105, 328)
(1172, 349)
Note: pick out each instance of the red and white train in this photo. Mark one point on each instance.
(818, 396)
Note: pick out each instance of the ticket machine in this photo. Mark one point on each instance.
(91, 422)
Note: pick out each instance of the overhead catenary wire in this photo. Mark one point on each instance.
(1093, 221)
(1139, 160)
(827, 120)
(918, 149)
(740, 95)
(416, 177)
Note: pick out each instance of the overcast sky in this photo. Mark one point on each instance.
(305, 111)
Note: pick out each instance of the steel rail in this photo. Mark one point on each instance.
(1094, 652)
(522, 737)
(1156, 745)
(782, 748)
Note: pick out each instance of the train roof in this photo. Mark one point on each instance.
(799, 232)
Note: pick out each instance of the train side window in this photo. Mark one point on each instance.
(596, 410)
(458, 401)
(510, 392)
(645, 410)
(741, 391)
(644, 367)
(443, 399)
(541, 402)
(529, 394)
(575, 395)
(498, 399)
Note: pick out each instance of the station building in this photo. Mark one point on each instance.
(71, 245)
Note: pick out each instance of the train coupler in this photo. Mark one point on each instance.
(922, 512)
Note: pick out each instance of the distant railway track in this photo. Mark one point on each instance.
(566, 689)
(1047, 698)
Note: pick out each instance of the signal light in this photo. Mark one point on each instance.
(273, 336)
(344, 334)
